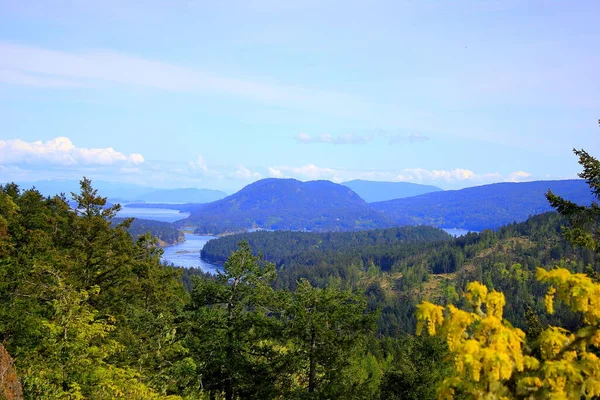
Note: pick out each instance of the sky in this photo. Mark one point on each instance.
(205, 94)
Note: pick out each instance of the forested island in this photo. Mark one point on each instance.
(90, 312)
(165, 232)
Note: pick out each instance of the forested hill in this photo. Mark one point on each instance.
(165, 232)
(280, 245)
(483, 207)
(287, 204)
(372, 191)
(89, 313)
(400, 267)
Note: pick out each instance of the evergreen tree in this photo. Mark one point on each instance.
(584, 221)
(228, 321)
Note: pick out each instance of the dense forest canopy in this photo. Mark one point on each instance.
(90, 312)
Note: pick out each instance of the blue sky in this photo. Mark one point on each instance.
(219, 94)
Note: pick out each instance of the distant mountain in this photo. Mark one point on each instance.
(287, 204)
(125, 192)
(372, 191)
(481, 207)
(189, 195)
(113, 190)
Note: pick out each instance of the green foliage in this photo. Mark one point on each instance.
(324, 329)
(71, 286)
(228, 323)
(407, 257)
(250, 341)
(89, 311)
(418, 367)
(584, 229)
(285, 247)
(165, 232)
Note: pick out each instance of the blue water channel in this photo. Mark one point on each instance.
(186, 254)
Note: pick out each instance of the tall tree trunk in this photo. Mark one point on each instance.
(10, 386)
(229, 388)
(312, 373)
(230, 355)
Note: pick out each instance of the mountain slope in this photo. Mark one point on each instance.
(481, 207)
(372, 191)
(287, 204)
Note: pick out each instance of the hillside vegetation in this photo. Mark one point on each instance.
(89, 312)
(287, 204)
(165, 232)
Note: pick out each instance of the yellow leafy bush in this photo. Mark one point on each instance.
(489, 353)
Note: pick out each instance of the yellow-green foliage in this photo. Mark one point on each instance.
(488, 352)
(71, 361)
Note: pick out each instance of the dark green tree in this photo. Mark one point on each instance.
(86, 311)
(326, 327)
(421, 363)
(584, 221)
(229, 325)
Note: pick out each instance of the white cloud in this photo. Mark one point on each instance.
(275, 173)
(25, 79)
(417, 175)
(518, 176)
(61, 151)
(199, 165)
(244, 173)
(36, 66)
(241, 172)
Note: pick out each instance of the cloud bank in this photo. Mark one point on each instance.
(457, 176)
(41, 67)
(59, 158)
(61, 151)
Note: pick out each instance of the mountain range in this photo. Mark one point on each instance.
(286, 204)
(125, 192)
(289, 204)
(483, 207)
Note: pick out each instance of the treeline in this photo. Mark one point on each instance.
(165, 232)
(87, 312)
(397, 268)
(90, 313)
(279, 246)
